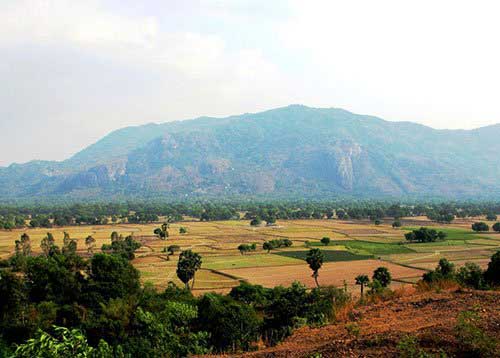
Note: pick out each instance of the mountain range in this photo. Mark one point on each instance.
(290, 152)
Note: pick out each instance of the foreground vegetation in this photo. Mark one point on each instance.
(60, 304)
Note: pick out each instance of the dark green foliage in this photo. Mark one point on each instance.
(123, 247)
(162, 232)
(189, 262)
(232, 325)
(244, 248)
(315, 260)
(471, 275)
(170, 250)
(276, 244)
(254, 295)
(496, 227)
(329, 255)
(55, 278)
(396, 224)
(291, 307)
(383, 276)
(12, 295)
(325, 241)
(492, 273)
(444, 270)
(480, 226)
(425, 235)
(362, 281)
(491, 217)
(256, 222)
(111, 276)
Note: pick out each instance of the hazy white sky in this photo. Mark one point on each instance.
(71, 71)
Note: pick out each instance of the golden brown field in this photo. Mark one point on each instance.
(357, 247)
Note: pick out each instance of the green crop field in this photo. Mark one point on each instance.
(330, 255)
(217, 242)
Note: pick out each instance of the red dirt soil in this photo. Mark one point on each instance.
(429, 316)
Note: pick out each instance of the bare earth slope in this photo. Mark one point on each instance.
(429, 316)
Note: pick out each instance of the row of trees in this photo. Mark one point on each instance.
(425, 235)
(470, 275)
(482, 226)
(276, 244)
(141, 212)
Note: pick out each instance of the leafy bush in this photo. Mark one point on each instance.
(480, 226)
(472, 338)
(471, 275)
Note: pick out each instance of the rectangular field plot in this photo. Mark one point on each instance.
(332, 273)
(453, 233)
(373, 248)
(238, 261)
(330, 255)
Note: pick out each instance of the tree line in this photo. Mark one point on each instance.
(12, 216)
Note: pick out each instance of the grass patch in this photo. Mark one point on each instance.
(330, 255)
(361, 247)
(227, 262)
(453, 233)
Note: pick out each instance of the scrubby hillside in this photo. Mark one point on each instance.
(453, 322)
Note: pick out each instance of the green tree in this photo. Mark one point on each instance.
(496, 227)
(90, 243)
(243, 248)
(267, 246)
(325, 241)
(445, 268)
(471, 275)
(315, 260)
(362, 281)
(69, 245)
(492, 273)
(232, 325)
(396, 224)
(111, 276)
(480, 226)
(382, 275)
(189, 262)
(491, 217)
(48, 245)
(256, 222)
(182, 230)
(162, 232)
(171, 250)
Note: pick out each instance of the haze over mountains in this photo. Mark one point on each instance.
(288, 152)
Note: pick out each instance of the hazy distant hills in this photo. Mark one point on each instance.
(293, 152)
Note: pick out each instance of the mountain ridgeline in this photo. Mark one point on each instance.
(293, 152)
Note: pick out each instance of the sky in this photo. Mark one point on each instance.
(71, 71)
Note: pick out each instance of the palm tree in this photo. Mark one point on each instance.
(315, 260)
(362, 280)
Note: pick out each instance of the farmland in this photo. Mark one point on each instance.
(356, 247)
